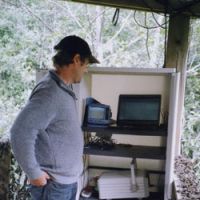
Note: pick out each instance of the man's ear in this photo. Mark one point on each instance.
(76, 58)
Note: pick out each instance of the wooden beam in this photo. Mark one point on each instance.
(172, 7)
(150, 5)
(177, 46)
(177, 51)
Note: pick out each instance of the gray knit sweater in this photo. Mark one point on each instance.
(46, 136)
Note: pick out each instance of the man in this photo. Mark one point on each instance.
(46, 137)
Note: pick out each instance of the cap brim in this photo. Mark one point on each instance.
(92, 60)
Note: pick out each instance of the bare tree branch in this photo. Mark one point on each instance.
(90, 32)
(122, 50)
(192, 60)
(154, 52)
(99, 15)
(70, 13)
(121, 28)
(194, 69)
(9, 3)
(98, 33)
(147, 37)
(30, 11)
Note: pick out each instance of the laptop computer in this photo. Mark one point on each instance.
(139, 110)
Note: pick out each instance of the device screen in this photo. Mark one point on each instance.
(139, 109)
(96, 113)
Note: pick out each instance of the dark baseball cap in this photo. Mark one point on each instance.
(73, 44)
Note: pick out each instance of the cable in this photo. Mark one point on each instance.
(145, 26)
(115, 17)
(160, 25)
(152, 12)
(164, 26)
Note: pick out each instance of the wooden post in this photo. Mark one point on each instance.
(177, 51)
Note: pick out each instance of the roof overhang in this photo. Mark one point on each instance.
(174, 7)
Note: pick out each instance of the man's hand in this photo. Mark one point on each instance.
(41, 181)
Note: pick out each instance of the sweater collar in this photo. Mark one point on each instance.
(66, 87)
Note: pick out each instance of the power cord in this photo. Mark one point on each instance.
(101, 143)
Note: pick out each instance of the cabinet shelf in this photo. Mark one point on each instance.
(113, 129)
(120, 150)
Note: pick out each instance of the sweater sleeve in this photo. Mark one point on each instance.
(36, 115)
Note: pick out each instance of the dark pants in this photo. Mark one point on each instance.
(54, 191)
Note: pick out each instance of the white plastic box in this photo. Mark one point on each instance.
(118, 184)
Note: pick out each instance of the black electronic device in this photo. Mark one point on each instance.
(96, 114)
(138, 110)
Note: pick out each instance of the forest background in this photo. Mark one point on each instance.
(30, 28)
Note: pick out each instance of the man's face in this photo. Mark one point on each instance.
(80, 68)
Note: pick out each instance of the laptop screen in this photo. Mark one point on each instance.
(139, 110)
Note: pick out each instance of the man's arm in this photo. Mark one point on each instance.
(36, 115)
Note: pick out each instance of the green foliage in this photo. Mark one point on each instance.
(191, 134)
(30, 28)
